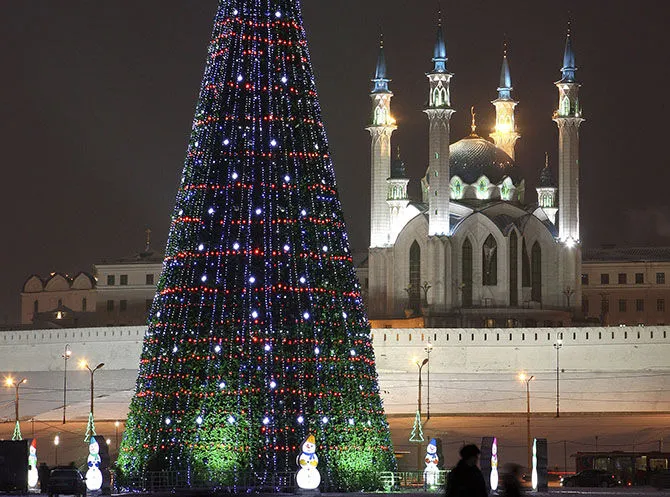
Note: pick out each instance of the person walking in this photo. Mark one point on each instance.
(466, 479)
(511, 481)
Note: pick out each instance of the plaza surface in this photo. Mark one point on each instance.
(566, 435)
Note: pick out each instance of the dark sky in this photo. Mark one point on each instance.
(97, 99)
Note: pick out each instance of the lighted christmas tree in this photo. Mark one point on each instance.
(257, 335)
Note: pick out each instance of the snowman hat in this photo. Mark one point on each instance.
(33, 444)
(311, 439)
(433, 442)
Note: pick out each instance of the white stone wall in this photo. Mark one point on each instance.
(615, 369)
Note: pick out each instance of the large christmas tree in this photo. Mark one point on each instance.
(257, 335)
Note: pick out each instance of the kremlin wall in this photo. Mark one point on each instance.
(601, 369)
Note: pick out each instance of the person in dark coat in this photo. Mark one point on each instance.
(511, 484)
(466, 479)
(43, 472)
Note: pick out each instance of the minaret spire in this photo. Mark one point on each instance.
(504, 134)
(439, 113)
(381, 128)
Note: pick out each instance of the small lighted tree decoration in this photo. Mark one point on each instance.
(417, 429)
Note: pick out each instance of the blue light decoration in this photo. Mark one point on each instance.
(257, 309)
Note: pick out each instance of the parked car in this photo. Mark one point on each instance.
(68, 481)
(591, 478)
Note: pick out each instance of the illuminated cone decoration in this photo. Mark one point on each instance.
(257, 334)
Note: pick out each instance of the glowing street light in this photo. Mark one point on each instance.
(66, 355)
(90, 428)
(56, 444)
(527, 379)
(16, 384)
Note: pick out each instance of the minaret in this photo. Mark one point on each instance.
(547, 192)
(381, 128)
(504, 134)
(568, 117)
(397, 198)
(439, 113)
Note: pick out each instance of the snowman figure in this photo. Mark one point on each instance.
(308, 477)
(93, 475)
(431, 472)
(32, 464)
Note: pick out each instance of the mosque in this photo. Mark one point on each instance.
(472, 251)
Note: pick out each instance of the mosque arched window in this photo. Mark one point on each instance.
(440, 96)
(466, 267)
(525, 266)
(536, 273)
(380, 115)
(490, 262)
(415, 277)
(513, 269)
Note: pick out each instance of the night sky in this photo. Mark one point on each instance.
(97, 99)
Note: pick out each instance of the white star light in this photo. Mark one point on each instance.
(226, 141)
(198, 420)
(217, 349)
(324, 420)
(273, 143)
(204, 278)
(201, 247)
(231, 419)
(273, 384)
(236, 246)
(266, 420)
(252, 279)
(302, 279)
(254, 314)
(168, 421)
(267, 347)
(284, 79)
(300, 419)
(306, 315)
(222, 385)
(235, 176)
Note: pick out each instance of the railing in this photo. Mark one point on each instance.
(238, 482)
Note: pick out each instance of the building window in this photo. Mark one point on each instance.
(490, 262)
(604, 306)
(83, 304)
(623, 278)
(622, 305)
(585, 306)
(639, 305)
(36, 307)
(123, 279)
(414, 290)
(660, 305)
(123, 305)
(149, 279)
(660, 278)
(110, 305)
(604, 279)
(111, 280)
(536, 273)
(639, 278)
(60, 302)
(585, 279)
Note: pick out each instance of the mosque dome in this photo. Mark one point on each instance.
(474, 157)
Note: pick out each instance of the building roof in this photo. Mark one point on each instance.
(144, 257)
(474, 157)
(626, 254)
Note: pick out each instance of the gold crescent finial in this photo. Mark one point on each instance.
(474, 123)
(546, 160)
(148, 240)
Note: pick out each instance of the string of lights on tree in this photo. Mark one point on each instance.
(257, 335)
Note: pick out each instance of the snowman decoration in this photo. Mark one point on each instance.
(32, 464)
(308, 477)
(431, 472)
(93, 475)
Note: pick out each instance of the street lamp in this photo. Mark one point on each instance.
(56, 442)
(557, 346)
(116, 429)
(66, 355)
(11, 383)
(90, 428)
(527, 379)
(428, 349)
(420, 365)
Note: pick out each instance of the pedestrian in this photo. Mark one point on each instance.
(43, 474)
(511, 484)
(466, 479)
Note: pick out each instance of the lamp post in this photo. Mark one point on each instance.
(11, 383)
(116, 432)
(527, 380)
(90, 427)
(557, 346)
(428, 349)
(66, 355)
(420, 365)
(56, 442)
